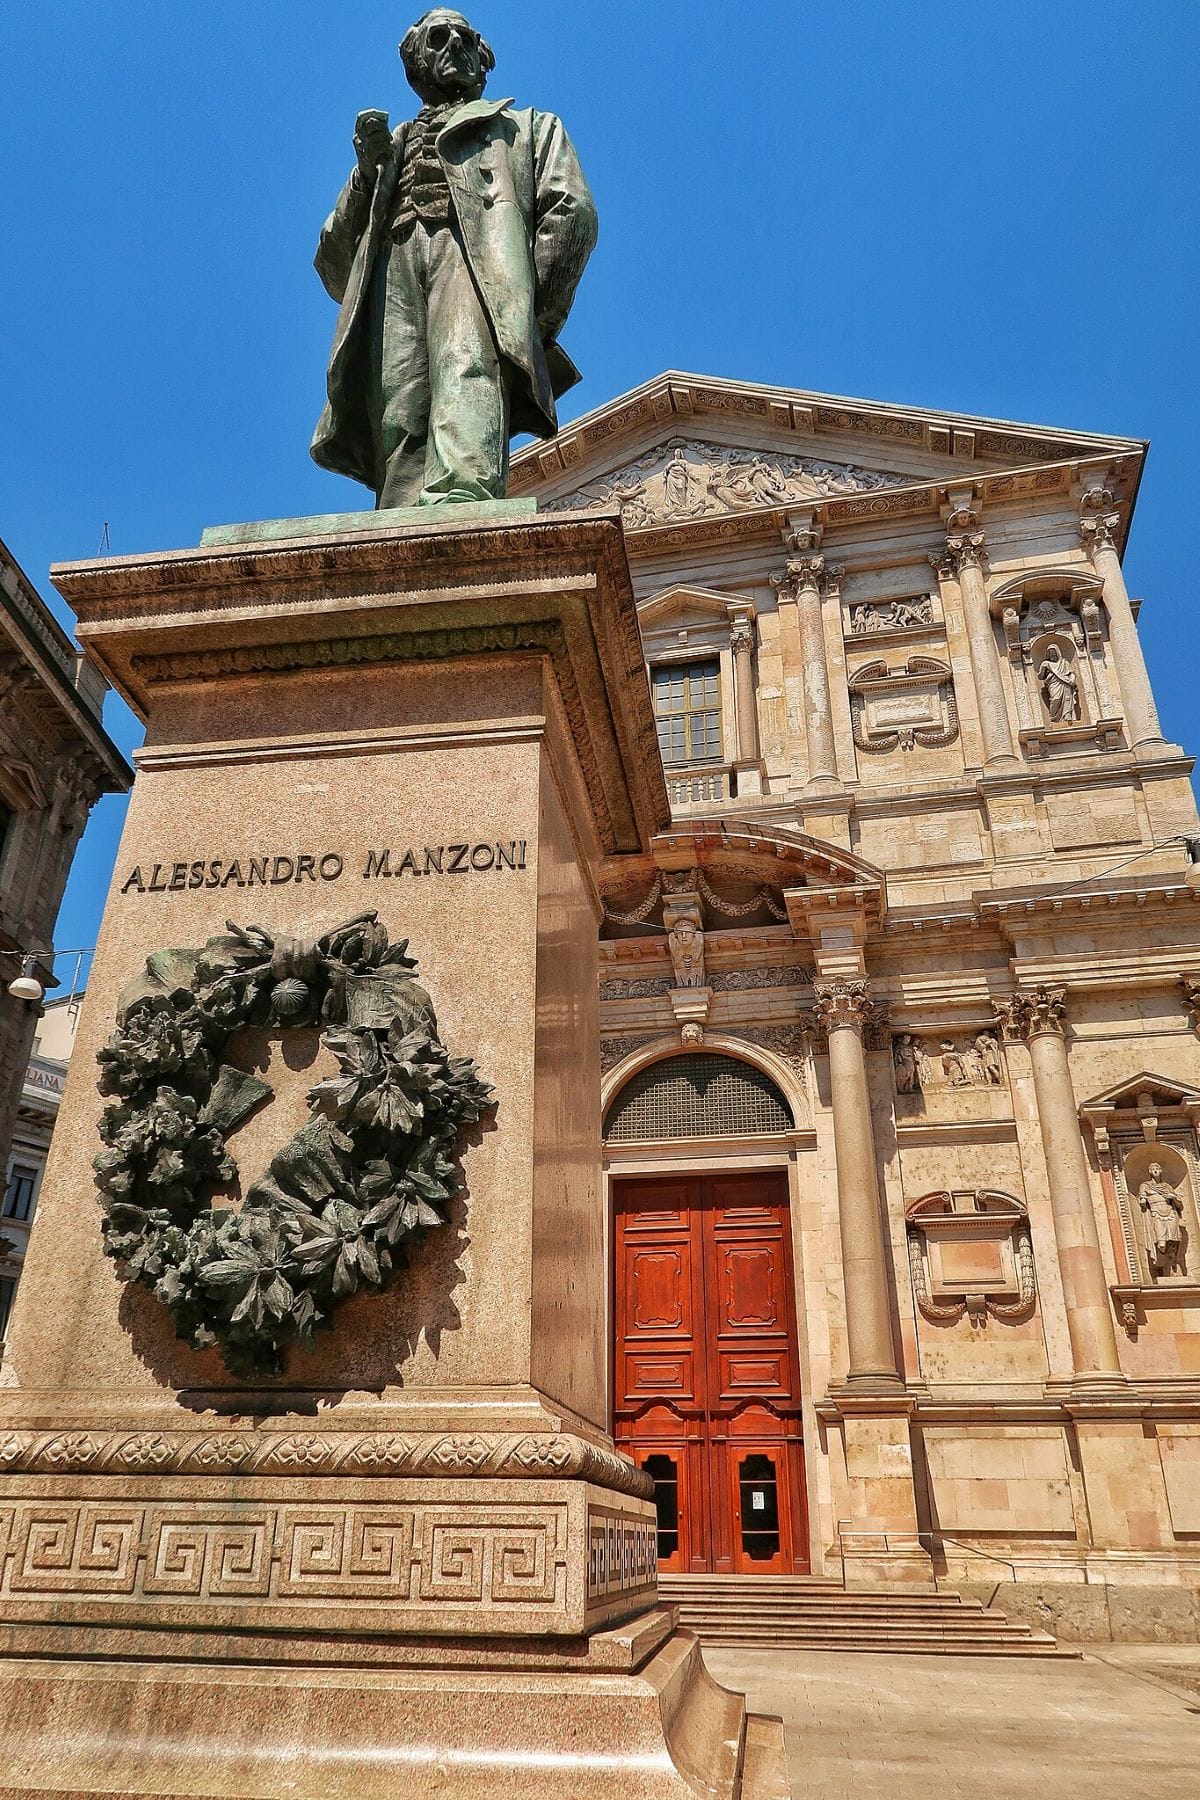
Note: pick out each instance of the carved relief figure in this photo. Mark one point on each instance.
(688, 479)
(904, 1055)
(990, 1062)
(686, 941)
(1060, 688)
(890, 615)
(971, 1063)
(1163, 1212)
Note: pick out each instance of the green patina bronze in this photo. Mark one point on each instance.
(344, 1202)
(454, 250)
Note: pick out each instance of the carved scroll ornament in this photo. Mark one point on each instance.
(970, 1253)
(344, 1201)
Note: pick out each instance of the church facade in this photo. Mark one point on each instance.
(899, 1016)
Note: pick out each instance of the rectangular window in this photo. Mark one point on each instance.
(18, 1198)
(687, 708)
(7, 1289)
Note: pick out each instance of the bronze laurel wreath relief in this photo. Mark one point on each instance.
(344, 1201)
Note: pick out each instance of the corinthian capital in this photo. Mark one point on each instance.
(1099, 520)
(1034, 1012)
(806, 568)
(741, 638)
(847, 1002)
(965, 542)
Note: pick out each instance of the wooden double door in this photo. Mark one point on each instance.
(706, 1392)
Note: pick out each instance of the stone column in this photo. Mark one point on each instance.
(1037, 1018)
(965, 546)
(1098, 524)
(843, 1010)
(741, 640)
(801, 586)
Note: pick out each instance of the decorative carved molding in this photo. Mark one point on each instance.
(731, 981)
(970, 1253)
(644, 987)
(473, 1563)
(246, 1452)
(894, 709)
(1033, 1012)
(685, 479)
(614, 1050)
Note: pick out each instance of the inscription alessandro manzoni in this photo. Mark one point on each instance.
(322, 865)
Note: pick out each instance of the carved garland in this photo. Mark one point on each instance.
(878, 679)
(344, 1201)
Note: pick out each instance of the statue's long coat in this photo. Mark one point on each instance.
(528, 225)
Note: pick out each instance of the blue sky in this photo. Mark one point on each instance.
(990, 208)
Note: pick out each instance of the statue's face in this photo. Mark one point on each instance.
(1155, 1171)
(451, 66)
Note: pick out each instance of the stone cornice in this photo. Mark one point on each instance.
(556, 587)
(234, 1451)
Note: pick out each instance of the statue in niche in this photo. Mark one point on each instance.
(1162, 1209)
(677, 489)
(1060, 688)
(686, 942)
(454, 252)
(991, 1064)
(904, 1055)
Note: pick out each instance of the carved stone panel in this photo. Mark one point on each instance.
(970, 1253)
(687, 479)
(901, 708)
(869, 617)
(926, 1062)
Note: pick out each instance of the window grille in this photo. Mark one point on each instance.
(687, 707)
(696, 1096)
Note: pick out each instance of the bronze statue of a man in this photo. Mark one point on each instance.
(454, 250)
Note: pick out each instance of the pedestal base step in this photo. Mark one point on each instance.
(84, 1730)
(774, 1611)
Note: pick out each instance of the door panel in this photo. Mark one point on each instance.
(706, 1388)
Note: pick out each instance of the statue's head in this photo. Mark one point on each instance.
(445, 58)
(1155, 1171)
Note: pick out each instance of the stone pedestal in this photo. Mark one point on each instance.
(412, 1563)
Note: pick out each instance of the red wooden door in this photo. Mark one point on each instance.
(706, 1389)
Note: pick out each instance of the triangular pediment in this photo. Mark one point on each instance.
(685, 606)
(686, 451)
(1162, 1090)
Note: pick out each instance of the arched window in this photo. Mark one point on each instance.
(695, 1096)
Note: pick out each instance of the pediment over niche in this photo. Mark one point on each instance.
(1143, 1093)
(687, 478)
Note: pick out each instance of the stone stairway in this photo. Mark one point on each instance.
(799, 1613)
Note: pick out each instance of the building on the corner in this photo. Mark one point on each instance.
(56, 760)
(899, 1019)
(37, 1111)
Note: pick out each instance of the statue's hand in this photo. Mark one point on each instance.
(372, 141)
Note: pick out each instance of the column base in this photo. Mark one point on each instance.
(189, 1730)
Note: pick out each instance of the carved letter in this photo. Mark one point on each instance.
(282, 869)
(379, 862)
(433, 859)
(306, 865)
(135, 880)
(196, 877)
(157, 886)
(458, 858)
(484, 850)
(214, 872)
(331, 866)
(258, 871)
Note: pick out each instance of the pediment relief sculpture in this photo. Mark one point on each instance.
(971, 1254)
(687, 478)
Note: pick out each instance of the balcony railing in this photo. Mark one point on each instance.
(694, 788)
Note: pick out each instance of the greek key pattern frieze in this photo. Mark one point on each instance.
(490, 1557)
(622, 1555)
(320, 1453)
